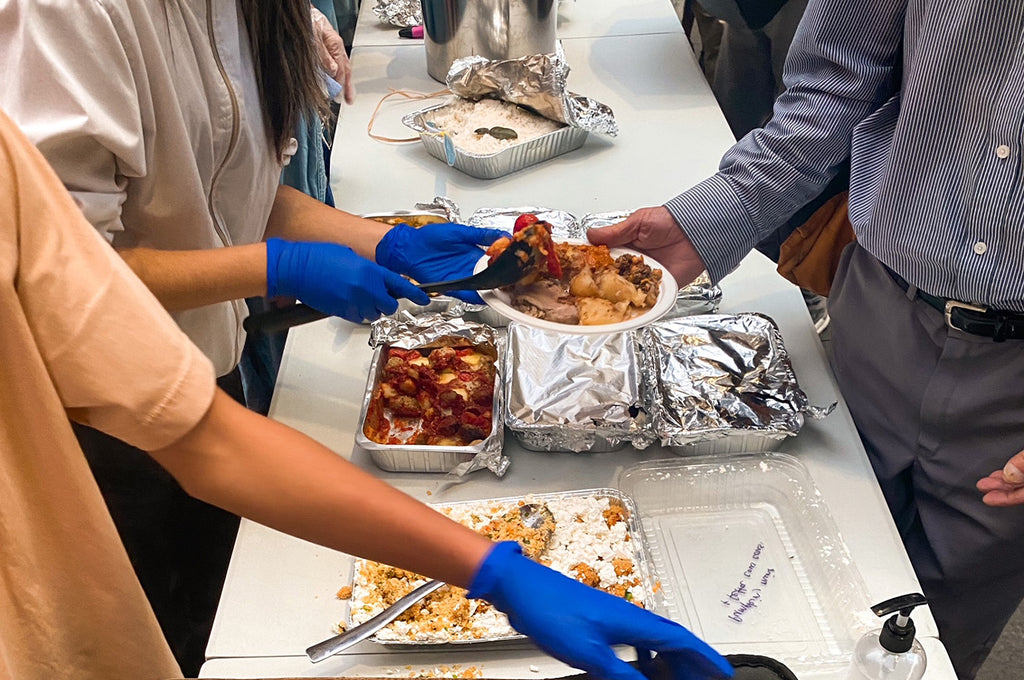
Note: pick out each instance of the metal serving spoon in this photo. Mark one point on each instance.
(512, 265)
(534, 516)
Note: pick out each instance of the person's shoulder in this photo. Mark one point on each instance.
(59, 13)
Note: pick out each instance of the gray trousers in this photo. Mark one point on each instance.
(937, 409)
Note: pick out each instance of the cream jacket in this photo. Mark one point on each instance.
(149, 112)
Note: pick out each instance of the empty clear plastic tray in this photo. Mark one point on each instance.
(748, 557)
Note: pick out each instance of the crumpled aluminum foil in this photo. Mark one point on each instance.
(575, 392)
(399, 12)
(445, 204)
(537, 81)
(699, 297)
(563, 224)
(719, 375)
(410, 332)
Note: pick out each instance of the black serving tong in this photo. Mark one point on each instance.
(511, 266)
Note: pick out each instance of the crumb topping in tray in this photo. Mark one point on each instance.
(591, 542)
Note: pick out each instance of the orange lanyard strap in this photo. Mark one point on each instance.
(401, 93)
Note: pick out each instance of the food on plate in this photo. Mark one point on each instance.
(442, 396)
(578, 283)
(591, 542)
(489, 125)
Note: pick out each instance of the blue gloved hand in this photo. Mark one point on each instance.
(578, 624)
(436, 252)
(333, 279)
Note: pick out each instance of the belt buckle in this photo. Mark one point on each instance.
(956, 304)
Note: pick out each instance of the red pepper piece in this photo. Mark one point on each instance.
(554, 266)
(523, 221)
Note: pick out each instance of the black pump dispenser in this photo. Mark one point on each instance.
(891, 653)
(897, 634)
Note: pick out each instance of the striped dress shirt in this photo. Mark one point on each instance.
(935, 144)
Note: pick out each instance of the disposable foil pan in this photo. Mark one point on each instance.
(640, 556)
(409, 332)
(575, 392)
(723, 384)
(700, 296)
(504, 162)
(416, 218)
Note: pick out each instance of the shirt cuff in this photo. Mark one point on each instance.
(717, 224)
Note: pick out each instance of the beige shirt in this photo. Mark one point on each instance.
(149, 112)
(70, 605)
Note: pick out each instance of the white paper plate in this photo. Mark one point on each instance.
(500, 301)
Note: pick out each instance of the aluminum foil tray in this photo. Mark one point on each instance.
(506, 161)
(650, 594)
(416, 218)
(749, 558)
(723, 384)
(575, 392)
(417, 332)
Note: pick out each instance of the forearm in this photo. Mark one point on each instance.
(298, 217)
(272, 474)
(839, 71)
(187, 279)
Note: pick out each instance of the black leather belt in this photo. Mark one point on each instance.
(969, 318)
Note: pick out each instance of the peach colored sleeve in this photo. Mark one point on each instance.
(117, 359)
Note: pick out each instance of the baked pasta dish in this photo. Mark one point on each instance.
(442, 396)
(591, 541)
(578, 284)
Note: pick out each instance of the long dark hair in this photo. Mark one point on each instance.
(287, 66)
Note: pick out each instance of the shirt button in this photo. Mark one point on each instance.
(980, 247)
(1002, 151)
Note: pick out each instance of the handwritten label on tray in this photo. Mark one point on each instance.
(752, 586)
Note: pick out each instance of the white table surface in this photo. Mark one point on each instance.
(672, 134)
(279, 595)
(576, 19)
(938, 666)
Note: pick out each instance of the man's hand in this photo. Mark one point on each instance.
(654, 232)
(333, 57)
(1005, 487)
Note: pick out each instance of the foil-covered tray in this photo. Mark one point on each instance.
(566, 549)
(575, 392)
(431, 331)
(399, 12)
(722, 384)
(504, 162)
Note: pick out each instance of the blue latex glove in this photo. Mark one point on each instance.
(578, 624)
(333, 279)
(436, 252)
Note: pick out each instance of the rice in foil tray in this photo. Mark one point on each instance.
(596, 540)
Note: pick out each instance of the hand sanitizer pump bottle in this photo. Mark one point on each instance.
(891, 653)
